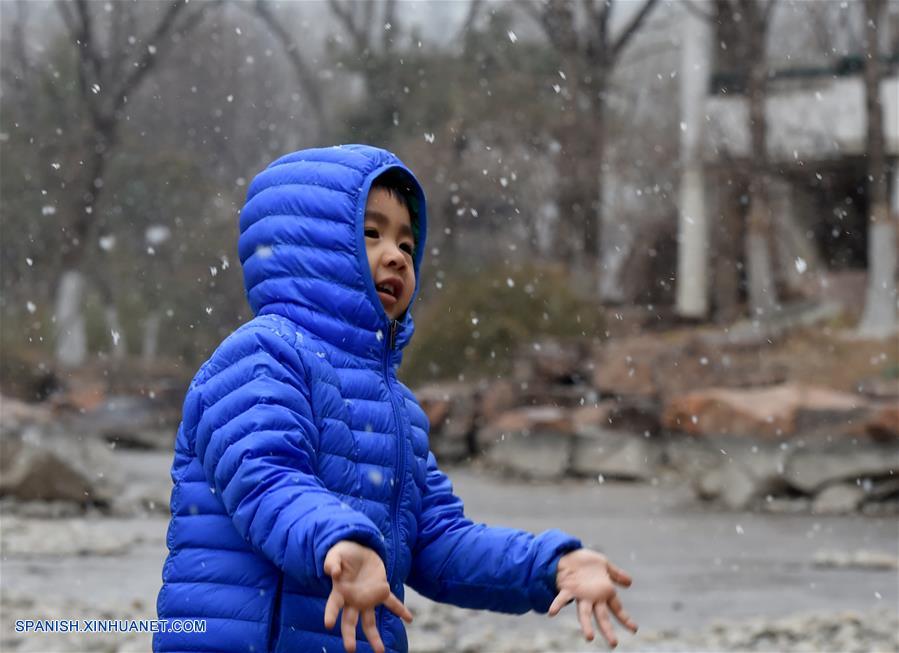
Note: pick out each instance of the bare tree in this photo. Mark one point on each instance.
(109, 72)
(762, 287)
(305, 75)
(589, 52)
(879, 318)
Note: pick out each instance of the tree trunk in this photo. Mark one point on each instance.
(879, 317)
(151, 338)
(762, 288)
(692, 245)
(71, 337)
(729, 240)
(84, 226)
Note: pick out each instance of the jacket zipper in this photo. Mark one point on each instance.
(400, 452)
(274, 625)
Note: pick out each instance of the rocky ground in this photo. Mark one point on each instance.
(705, 579)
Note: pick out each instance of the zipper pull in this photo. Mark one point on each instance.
(392, 338)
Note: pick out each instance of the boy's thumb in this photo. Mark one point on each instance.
(332, 567)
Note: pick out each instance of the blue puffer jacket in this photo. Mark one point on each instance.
(296, 434)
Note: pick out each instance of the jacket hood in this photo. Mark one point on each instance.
(302, 247)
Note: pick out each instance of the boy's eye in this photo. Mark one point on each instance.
(371, 233)
(407, 247)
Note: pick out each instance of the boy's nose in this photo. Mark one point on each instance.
(395, 257)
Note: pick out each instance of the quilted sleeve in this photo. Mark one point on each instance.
(256, 440)
(475, 566)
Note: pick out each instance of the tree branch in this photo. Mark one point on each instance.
(474, 10)
(345, 16)
(631, 28)
(690, 6)
(163, 29)
(304, 73)
(389, 36)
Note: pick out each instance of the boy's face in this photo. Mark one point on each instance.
(389, 245)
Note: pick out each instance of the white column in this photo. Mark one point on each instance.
(692, 251)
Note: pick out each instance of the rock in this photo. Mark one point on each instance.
(856, 560)
(738, 473)
(143, 498)
(66, 537)
(786, 505)
(80, 395)
(883, 489)
(627, 368)
(495, 399)
(593, 418)
(54, 466)
(533, 419)
(768, 412)
(129, 421)
(554, 361)
(636, 415)
(809, 470)
(435, 400)
(616, 455)
(532, 442)
(838, 499)
(15, 414)
(733, 485)
(536, 455)
(879, 388)
(451, 411)
(691, 457)
(563, 396)
(884, 424)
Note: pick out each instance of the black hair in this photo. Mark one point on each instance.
(400, 186)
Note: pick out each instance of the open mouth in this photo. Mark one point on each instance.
(392, 288)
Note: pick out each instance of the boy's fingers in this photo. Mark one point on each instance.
(585, 617)
(332, 566)
(621, 615)
(396, 607)
(619, 575)
(348, 628)
(332, 608)
(561, 600)
(370, 628)
(605, 626)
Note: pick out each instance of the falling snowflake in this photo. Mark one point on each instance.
(107, 242)
(429, 137)
(513, 37)
(31, 307)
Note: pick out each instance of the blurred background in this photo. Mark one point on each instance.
(660, 286)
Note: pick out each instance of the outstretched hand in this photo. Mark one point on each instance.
(589, 578)
(359, 585)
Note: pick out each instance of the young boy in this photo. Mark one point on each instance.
(305, 496)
